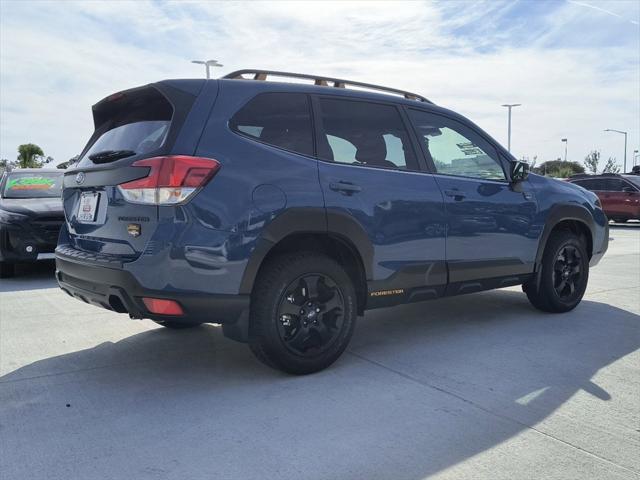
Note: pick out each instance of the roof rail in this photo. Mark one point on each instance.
(322, 81)
(593, 175)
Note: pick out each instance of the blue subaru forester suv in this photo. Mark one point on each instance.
(284, 210)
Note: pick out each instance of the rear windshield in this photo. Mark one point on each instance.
(33, 185)
(139, 124)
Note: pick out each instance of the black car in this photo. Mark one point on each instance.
(31, 215)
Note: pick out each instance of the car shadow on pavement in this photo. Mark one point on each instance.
(31, 276)
(422, 388)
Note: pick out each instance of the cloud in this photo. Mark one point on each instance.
(574, 68)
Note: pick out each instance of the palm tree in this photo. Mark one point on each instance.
(29, 155)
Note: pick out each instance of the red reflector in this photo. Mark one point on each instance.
(162, 306)
(174, 171)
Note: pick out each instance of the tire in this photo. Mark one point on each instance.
(174, 325)
(303, 313)
(565, 259)
(620, 220)
(7, 270)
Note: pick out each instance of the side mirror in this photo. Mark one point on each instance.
(519, 171)
(629, 190)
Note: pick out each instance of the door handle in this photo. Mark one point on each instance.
(345, 188)
(456, 194)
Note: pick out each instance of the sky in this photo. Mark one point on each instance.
(573, 65)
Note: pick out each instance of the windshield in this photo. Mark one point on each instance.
(33, 185)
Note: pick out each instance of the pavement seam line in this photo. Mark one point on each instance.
(491, 412)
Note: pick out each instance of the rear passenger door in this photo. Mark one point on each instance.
(490, 230)
(369, 171)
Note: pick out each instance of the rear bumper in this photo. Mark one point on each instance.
(117, 290)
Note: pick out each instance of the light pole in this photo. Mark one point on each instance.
(624, 169)
(510, 106)
(208, 64)
(564, 140)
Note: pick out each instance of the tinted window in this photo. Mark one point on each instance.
(139, 123)
(361, 133)
(591, 184)
(33, 185)
(614, 184)
(456, 149)
(634, 180)
(279, 119)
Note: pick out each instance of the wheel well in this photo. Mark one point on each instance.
(340, 249)
(579, 228)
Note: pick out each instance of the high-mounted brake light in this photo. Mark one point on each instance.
(171, 179)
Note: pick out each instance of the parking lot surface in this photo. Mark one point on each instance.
(481, 386)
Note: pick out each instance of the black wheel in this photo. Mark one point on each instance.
(303, 313)
(7, 270)
(174, 325)
(564, 275)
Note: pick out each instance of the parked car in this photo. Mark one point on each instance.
(283, 211)
(619, 194)
(30, 216)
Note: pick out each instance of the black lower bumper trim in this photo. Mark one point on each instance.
(118, 290)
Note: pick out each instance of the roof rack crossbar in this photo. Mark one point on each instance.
(322, 81)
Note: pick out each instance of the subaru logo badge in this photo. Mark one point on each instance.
(80, 178)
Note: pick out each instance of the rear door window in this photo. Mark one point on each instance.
(279, 119)
(614, 185)
(364, 133)
(595, 185)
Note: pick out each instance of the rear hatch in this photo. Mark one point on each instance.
(131, 127)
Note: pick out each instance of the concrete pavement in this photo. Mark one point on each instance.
(481, 386)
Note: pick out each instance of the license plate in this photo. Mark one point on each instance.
(88, 207)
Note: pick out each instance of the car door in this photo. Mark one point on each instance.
(490, 223)
(619, 197)
(370, 172)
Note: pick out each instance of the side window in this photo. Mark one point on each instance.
(361, 133)
(614, 184)
(456, 149)
(279, 119)
(596, 185)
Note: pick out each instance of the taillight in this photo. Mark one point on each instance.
(172, 179)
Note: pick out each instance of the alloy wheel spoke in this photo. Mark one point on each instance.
(300, 340)
(560, 288)
(310, 289)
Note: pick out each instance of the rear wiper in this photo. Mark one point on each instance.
(106, 156)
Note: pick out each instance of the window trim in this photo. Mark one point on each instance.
(629, 183)
(313, 155)
(319, 130)
(467, 124)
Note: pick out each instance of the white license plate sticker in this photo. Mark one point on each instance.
(88, 207)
